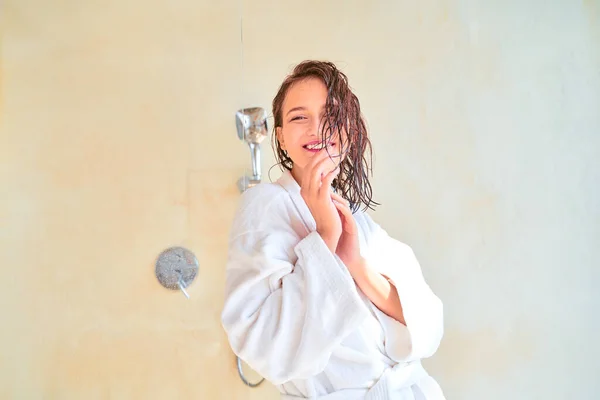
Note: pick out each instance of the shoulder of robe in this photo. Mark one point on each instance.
(365, 223)
(375, 233)
(261, 207)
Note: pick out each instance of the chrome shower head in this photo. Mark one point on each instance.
(252, 128)
(251, 124)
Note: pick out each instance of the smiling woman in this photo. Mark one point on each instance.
(319, 299)
(315, 106)
(304, 134)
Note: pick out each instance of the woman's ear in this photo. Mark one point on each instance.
(280, 139)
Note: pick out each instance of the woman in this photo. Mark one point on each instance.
(319, 299)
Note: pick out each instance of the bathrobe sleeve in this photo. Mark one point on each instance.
(288, 303)
(422, 309)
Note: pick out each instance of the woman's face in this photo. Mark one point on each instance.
(300, 134)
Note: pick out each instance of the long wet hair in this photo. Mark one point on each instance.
(342, 114)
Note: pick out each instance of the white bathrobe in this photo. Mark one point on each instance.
(294, 314)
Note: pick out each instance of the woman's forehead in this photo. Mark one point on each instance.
(308, 93)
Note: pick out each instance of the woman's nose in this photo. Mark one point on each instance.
(314, 128)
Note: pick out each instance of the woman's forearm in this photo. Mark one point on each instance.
(378, 289)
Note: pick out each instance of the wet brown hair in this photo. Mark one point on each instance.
(342, 114)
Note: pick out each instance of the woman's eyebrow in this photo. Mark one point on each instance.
(295, 109)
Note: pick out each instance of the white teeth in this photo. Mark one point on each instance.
(316, 146)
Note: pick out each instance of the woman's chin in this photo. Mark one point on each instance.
(298, 168)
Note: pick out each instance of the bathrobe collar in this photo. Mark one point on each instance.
(288, 182)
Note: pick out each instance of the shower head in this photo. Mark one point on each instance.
(252, 128)
(251, 124)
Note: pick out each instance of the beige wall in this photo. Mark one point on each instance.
(118, 140)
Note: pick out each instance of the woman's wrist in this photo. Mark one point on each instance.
(378, 289)
(357, 268)
(330, 240)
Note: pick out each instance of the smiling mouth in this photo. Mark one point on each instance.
(318, 146)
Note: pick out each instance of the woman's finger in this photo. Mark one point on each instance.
(307, 176)
(343, 208)
(347, 218)
(339, 198)
(325, 189)
(314, 172)
(319, 174)
(346, 213)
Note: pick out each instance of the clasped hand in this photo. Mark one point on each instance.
(332, 214)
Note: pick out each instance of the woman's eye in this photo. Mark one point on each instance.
(297, 118)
